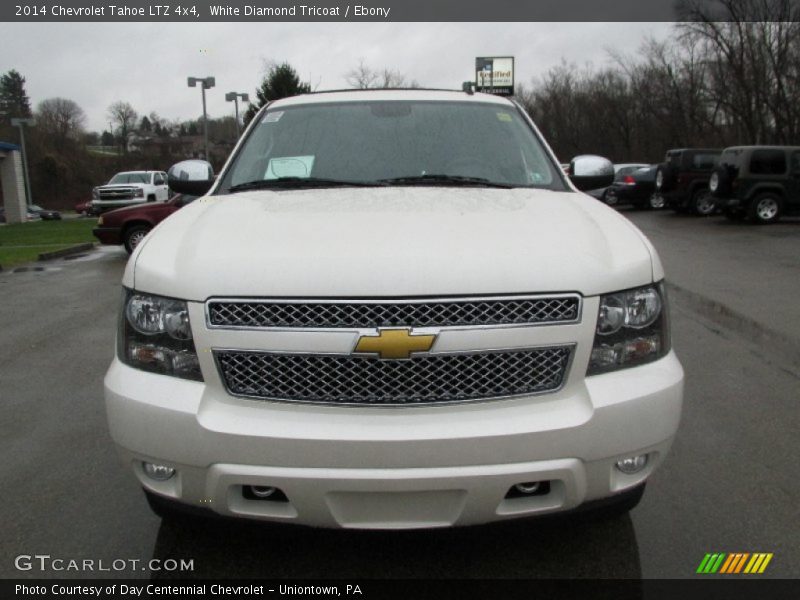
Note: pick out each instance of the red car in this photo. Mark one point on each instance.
(129, 225)
(84, 209)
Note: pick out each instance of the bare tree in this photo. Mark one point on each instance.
(125, 117)
(364, 77)
(752, 49)
(60, 120)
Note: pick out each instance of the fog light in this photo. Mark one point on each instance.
(632, 464)
(262, 491)
(528, 488)
(158, 472)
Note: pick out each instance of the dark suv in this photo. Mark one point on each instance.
(682, 179)
(759, 182)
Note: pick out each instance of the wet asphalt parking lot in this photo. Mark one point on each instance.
(730, 483)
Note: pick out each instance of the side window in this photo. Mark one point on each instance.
(796, 163)
(704, 162)
(158, 179)
(768, 162)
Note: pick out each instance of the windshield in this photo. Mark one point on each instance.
(130, 178)
(393, 143)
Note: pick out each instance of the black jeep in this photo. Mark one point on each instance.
(682, 179)
(757, 182)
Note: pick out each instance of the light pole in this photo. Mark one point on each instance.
(21, 124)
(206, 83)
(234, 97)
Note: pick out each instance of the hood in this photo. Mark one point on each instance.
(142, 208)
(400, 241)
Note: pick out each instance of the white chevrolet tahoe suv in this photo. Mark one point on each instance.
(130, 187)
(393, 309)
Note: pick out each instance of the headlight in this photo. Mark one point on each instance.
(632, 329)
(95, 194)
(139, 193)
(100, 220)
(155, 335)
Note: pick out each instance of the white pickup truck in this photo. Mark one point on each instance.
(130, 187)
(393, 309)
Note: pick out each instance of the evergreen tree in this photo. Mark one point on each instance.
(14, 99)
(280, 82)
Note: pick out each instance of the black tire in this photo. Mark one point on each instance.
(656, 201)
(133, 236)
(723, 178)
(765, 208)
(151, 198)
(610, 197)
(703, 203)
(665, 177)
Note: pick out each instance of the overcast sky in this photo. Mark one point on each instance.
(146, 64)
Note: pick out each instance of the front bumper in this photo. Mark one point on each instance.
(395, 468)
(108, 235)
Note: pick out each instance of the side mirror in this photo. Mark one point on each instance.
(590, 172)
(194, 177)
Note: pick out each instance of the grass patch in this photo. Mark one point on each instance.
(11, 257)
(23, 242)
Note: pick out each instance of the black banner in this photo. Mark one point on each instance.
(374, 589)
(340, 10)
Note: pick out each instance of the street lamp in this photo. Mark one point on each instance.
(21, 124)
(206, 83)
(234, 97)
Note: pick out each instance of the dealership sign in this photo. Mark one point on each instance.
(495, 75)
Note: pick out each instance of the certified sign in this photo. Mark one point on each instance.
(495, 75)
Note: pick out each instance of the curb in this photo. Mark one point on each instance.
(780, 346)
(66, 251)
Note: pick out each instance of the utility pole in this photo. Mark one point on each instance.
(206, 83)
(234, 97)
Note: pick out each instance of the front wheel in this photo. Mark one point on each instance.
(656, 202)
(703, 203)
(134, 236)
(765, 208)
(611, 198)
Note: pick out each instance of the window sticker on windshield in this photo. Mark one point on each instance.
(289, 166)
(273, 117)
(504, 117)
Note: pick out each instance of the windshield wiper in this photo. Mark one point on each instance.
(298, 182)
(434, 179)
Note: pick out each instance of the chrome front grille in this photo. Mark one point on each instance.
(535, 310)
(117, 193)
(428, 379)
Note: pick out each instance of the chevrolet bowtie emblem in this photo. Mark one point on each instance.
(395, 343)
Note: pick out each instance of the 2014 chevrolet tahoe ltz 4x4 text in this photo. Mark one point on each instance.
(393, 309)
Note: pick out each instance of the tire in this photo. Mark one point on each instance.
(133, 236)
(721, 180)
(610, 198)
(665, 177)
(765, 208)
(151, 198)
(656, 201)
(703, 203)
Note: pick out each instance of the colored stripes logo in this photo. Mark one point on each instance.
(735, 562)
